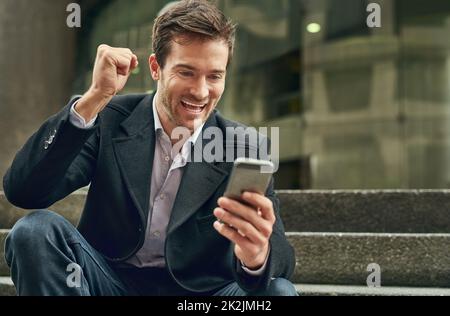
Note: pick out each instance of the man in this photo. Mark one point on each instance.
(153, 223)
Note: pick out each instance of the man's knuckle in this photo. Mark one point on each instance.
(102, 48)
(266, 231)
(272, 219)
(225, 216)
(222, 229)
(247, 228)
(268, 204)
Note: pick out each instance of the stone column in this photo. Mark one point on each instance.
(37, 58)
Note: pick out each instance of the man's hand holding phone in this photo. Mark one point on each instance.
(245, 216)
(249, 226)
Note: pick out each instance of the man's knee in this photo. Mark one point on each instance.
(281, 287)
(33, 228)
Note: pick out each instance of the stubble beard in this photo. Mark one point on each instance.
(169, 112)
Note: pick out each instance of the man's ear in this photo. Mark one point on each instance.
(154, 67)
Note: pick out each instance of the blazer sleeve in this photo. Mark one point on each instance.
(57, 160)
(281, 261)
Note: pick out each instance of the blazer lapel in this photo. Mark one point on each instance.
(135, 152)
(200, 181)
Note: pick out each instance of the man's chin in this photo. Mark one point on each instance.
(194, 124)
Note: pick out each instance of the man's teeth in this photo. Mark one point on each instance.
(194, 105)
(191, 106)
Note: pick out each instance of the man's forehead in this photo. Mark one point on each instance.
(187, 43)
(196, 53)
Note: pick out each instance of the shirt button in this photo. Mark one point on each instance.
(162, 196)
(167, 158)
(157, 234)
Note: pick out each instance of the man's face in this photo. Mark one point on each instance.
(191, 83)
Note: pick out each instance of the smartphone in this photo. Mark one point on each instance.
(249, 175)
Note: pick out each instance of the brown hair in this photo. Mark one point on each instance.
(191, 19)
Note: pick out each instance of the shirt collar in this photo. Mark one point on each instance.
(158, 126)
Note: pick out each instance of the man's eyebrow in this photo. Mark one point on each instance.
(216, 71)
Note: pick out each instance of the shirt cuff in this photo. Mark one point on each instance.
(258, 272)
(78, 121)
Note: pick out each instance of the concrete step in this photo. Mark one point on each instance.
(412, 211)
(411, 260)
(404, 211)
(345, 290)
(4, 269)
(7, 289)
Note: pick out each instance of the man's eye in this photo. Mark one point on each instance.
(215, 77)
(186, 73)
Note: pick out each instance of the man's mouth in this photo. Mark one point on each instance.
(192, 107)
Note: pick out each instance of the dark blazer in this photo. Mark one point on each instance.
(115, 157)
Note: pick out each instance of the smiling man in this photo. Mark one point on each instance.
(154, 223)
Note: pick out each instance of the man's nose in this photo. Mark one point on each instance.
(200, 89)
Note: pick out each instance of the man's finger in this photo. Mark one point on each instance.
(122, 50)
(261, 203)
(242, 210)
(249, 214)
(243, 227)
(134, 62)
(123, 65)
(232, 235)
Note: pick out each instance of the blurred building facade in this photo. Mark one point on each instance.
(357, 107)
